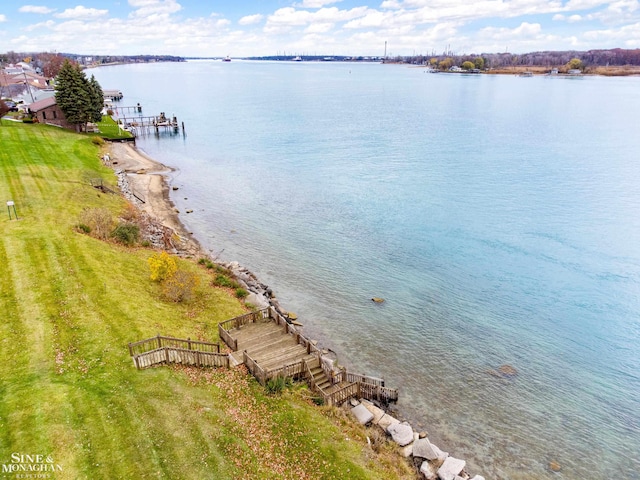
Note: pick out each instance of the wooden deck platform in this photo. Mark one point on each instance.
(269, 345)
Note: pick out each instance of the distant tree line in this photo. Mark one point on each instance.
(50, 63)
(591, 58)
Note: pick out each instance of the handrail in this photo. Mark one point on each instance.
(182, 356)
(159, 341)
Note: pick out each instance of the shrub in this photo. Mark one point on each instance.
(222, 280)
(206, 262)
(276, 385)
(162, 266)
(99, 220)
(180, 286)
(84, 228)
(97, 141)
(126, 233)
(241, 292)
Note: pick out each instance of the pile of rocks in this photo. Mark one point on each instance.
(434, 463)
(260, 295)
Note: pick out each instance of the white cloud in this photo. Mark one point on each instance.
(618, 13)
(36, 9)
(286, 18)
(145, 8)
(251, 19)
(524, 30)
(3, 18)
(319, 28)
(627, 36)
(81, 12)
(574, 19)
(315, 3)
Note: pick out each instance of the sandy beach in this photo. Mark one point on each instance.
(150, 180)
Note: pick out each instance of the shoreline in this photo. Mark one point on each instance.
(138, 172)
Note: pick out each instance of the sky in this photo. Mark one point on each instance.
(239, 28)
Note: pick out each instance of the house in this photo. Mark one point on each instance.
(47, 111)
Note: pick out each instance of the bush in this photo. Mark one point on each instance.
(207, 263)
(97, 141)
(222, 280)
(276, 385)
(180, 286)
(99, 220)
(241, 292)
(84, 228)
(126, 233)
(162, 266)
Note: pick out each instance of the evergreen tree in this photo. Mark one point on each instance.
(97, 100)
(79, 99)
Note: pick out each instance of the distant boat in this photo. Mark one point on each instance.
(226, 59)
(526, 74)
(297, 59)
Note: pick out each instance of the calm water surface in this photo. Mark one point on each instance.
(498, 216)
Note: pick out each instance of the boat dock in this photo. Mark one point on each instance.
(140, 125)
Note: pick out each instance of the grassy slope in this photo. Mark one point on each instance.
(70, 304)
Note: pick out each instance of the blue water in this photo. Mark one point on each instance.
(498, 216)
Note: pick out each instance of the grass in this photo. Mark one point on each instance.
(109, 129)
(70, 304)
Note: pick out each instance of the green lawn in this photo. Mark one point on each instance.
(70, 304)
(109, 129)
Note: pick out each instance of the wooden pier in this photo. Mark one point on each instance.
(140, 125)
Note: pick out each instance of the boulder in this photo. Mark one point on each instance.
(423, 448)
(478, 477)
(378, 300)
(407, 451)
(386, 421)
(378, 413)
(401, 433)
(363, 415)
(451, 468)
(507, 371)
(258, 300)
(428, 470)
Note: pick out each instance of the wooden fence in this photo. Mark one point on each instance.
(164, 350)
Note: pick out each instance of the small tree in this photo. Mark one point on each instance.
(180, 286)
(467, 65)
(575, 64)
(162, 267)
(479, 63)
(446, 63)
